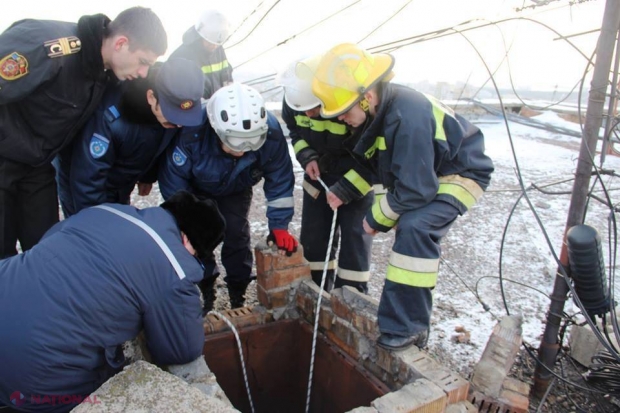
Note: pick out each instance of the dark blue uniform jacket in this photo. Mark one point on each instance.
(109, 157)
(197, 163)
(93, 282)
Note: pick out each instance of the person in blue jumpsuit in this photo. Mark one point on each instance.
(240, 145)
(95, 281)
(324, 148)
(431, 162)
(121, 143)
(203, 43)
(52, 77)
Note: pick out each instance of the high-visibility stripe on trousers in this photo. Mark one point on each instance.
(354, 257)
(406, 301)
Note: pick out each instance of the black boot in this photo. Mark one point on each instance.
(329, 279)
(207, 287)
(361, 286)
(236, 292)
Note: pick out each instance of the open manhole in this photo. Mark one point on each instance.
(277, 358)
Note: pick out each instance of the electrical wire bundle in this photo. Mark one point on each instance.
(604, 373)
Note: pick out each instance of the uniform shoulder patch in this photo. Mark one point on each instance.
(63, 46)
(111, 114)
(98, 146)
(13, 66)
(178, 157)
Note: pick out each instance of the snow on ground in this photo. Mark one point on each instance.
(471, 250)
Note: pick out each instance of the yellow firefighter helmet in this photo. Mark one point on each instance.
(345, 73)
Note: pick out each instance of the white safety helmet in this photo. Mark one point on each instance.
(213, 26)
(237, 114)
(297, 91)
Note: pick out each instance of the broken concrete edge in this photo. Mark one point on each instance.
(142, 386)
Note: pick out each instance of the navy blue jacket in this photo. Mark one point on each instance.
(422, 151)
(94, 282)
(42, 109)
(109, 157)
(197, 163)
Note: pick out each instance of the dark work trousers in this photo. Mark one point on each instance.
(28, 205)
(355, 244)
(236, 252)
(405, 309)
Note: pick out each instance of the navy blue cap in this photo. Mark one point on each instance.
(179, 86)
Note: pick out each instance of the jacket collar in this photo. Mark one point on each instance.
(91, 33)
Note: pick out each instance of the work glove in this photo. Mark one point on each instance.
(284, 240)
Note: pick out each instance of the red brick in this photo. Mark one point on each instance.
(264, 260)
(282, 277)
(282, 261)
(239, 317)
(261, 294)
(326, 318)
(514, 402)
(340, 308)
(365, 325)
(456, 387)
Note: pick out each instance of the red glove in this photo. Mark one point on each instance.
(284, 240)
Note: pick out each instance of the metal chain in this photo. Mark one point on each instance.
(318, 304)
(245, 375)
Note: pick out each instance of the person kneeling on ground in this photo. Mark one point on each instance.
(94, 282)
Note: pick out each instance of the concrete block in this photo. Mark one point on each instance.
(143, 387)
(584, 344)
(363, 409)
(419, 396)
(198, 375)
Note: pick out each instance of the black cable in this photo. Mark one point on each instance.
(561, 268)
(246, 18)
(384, 22)
(297, 34)
(255, 26)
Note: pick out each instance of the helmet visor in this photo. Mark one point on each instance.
(242, 143)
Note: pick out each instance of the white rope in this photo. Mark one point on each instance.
(318, 304)
(245, 375)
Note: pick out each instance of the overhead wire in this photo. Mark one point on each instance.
(245, 19)
(538, 220)
(299, 33)
(256, 25)
(384, 22)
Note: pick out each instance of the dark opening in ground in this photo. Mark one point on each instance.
(277, 359)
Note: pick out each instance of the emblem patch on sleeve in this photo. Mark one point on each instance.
(98, 146)
(178, 157)
(63, 46)
(13, 66)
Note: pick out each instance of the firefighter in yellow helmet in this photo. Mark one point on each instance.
(323, 148)
(431, 162)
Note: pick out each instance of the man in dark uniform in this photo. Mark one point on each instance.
(52, 77)
(432, 163)
(94, 282)
(324, 148)
(223, 159)
(202, 43)
(121, 143)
